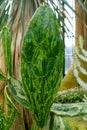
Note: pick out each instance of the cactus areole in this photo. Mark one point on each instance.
(42, 62)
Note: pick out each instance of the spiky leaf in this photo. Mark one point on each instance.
(41, 62)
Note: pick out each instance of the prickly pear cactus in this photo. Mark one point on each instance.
(42, 62)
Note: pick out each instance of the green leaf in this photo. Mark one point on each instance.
(4, 10)
(66, 124)
(15, 88)
(7, 118)
(72, 95)
(60, 123)
(8, 99)
(6, 41)
(2, 75)
(70, 109)
(42, 62)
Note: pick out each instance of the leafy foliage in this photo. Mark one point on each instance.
(41, 62)
(6, 120)
(7, 116)
(60, 123)
(70, 109)
(4, 9)
(6, 41)
(15, 88)
(71, 96)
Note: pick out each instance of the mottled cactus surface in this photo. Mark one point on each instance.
(42, 62)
